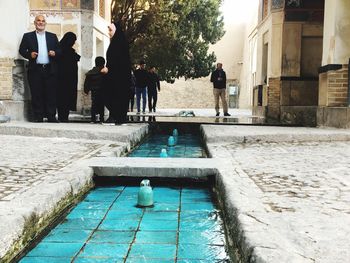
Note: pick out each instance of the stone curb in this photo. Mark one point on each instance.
(123, 133)
(153, 167)
(245, 134)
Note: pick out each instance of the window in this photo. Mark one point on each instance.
(265, 8)
(101, 8)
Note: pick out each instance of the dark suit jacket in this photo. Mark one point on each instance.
(29, 44)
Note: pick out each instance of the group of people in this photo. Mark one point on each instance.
(52, 64)
(147, 85)
(144, 84)
(53, 76)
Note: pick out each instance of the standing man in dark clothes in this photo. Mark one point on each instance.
(93, 82)
(218, 77)
(152, 88)
(42, 49)
(142, 80)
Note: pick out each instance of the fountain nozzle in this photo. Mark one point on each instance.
(145, 195)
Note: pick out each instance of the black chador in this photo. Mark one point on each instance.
(118, 78)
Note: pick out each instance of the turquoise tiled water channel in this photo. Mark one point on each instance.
(188, 146)
(183, 226)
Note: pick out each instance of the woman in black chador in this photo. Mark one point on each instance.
(118, 77)
(68, 77)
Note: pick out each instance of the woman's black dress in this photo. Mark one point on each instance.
(68, 77)
(118, 78)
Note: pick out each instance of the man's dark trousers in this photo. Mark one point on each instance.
(42, 83)
(152, 95)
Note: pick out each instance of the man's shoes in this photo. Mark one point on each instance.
(138, 113)
(52, 120)
(217, 114)
(154, 109)
(110, 121)
(227, 114)
(143, 112)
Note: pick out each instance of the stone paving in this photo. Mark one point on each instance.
(27, 161)
(306, 187)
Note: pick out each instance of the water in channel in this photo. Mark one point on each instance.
(182, 226)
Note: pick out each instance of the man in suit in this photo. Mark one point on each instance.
(42, 49)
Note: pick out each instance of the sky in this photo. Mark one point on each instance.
(238, 11)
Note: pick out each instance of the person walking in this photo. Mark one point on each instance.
(152, 89)
(42, 49)
(218, 77)
(67, 77)
(132, 92)
(118, 74)
(142, 80)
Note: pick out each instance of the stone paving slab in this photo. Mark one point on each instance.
(27, 161)
(153, 167)
(290, 198)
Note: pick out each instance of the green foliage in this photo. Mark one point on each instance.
(172, 35)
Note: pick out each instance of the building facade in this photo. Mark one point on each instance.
(298, 56)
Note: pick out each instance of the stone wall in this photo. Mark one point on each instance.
(183, 94)
(6, 80)
(338, 117)
(14, 90)
(299, 92)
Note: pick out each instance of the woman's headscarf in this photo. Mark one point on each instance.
(118, 56)
(68, 40)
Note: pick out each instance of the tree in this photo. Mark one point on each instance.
(172, 35)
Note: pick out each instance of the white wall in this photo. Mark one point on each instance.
(248, 77)
(336, 44)
(14, 18)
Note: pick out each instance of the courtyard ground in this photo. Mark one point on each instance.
(288, 187)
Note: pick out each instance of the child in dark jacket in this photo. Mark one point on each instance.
(93, 82)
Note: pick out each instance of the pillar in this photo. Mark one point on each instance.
(14, 96)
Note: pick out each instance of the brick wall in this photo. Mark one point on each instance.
(273, 101)
(6, 80)
(337, 82)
